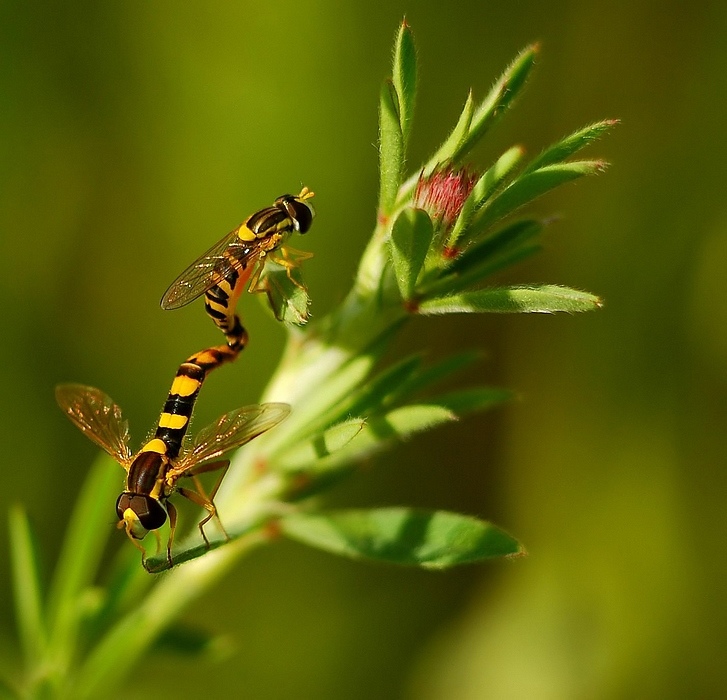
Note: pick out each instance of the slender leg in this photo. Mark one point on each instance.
(290, 258)
(211, 499)
(200, 501)
(201, 498)
(172, 511)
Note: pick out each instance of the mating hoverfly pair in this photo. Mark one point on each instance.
(236, 262)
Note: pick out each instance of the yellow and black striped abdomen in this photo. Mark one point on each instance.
(174, 420)
(220, 302)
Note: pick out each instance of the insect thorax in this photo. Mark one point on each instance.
(147, 474)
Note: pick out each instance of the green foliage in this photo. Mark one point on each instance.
(27, 587)
(475, 122)
(543, 299)
(439, 237)
(405, 77)
(411, 237)
(286, 292)
(429, 539)
(391, 147)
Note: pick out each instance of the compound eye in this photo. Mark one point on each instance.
(303, 215)
(150, 512)
(283, 200)
(122, 503)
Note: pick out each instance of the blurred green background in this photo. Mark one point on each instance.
(135, 134)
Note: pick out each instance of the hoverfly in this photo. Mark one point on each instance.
(152, 475)
(239, 258)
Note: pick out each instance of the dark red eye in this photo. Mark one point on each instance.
(150, 512)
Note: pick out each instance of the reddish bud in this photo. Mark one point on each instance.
(443, 194)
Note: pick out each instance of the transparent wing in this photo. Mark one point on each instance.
(232, 430)
(227, 255)
(98, 417)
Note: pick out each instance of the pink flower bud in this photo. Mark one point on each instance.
(443, 194)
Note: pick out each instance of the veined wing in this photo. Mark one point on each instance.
(224, 258)
(98, 417)
(232, 430)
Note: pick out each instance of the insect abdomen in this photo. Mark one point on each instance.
(174, 420)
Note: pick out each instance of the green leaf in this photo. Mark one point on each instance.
(411, 237)
(391, 148)
(483, 190)
(83, 546)
(474, 399)
(500, 249)
(381, 390)
(454, 141)
(428, 539)
(498, 100)
(405, 77)
(438, 371)
(571, 144)
(402, 422)
(502, 261)
(521, 299)
(286, 292)
(27, 587)
(377, 433)
(531, 186)
(193, 547)
(504, 239)
(308, 453)
(321, 410)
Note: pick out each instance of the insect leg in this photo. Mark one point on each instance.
(290, 258)
(202, 499)
(172, 512)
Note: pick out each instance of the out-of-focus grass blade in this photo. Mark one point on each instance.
(391, 148)
(27, 587)
(521, 299)
(405, 77)
(467, 401)
(193, 642)
(86, 535)
(127, 582)
(409, 536)
(411, 237)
